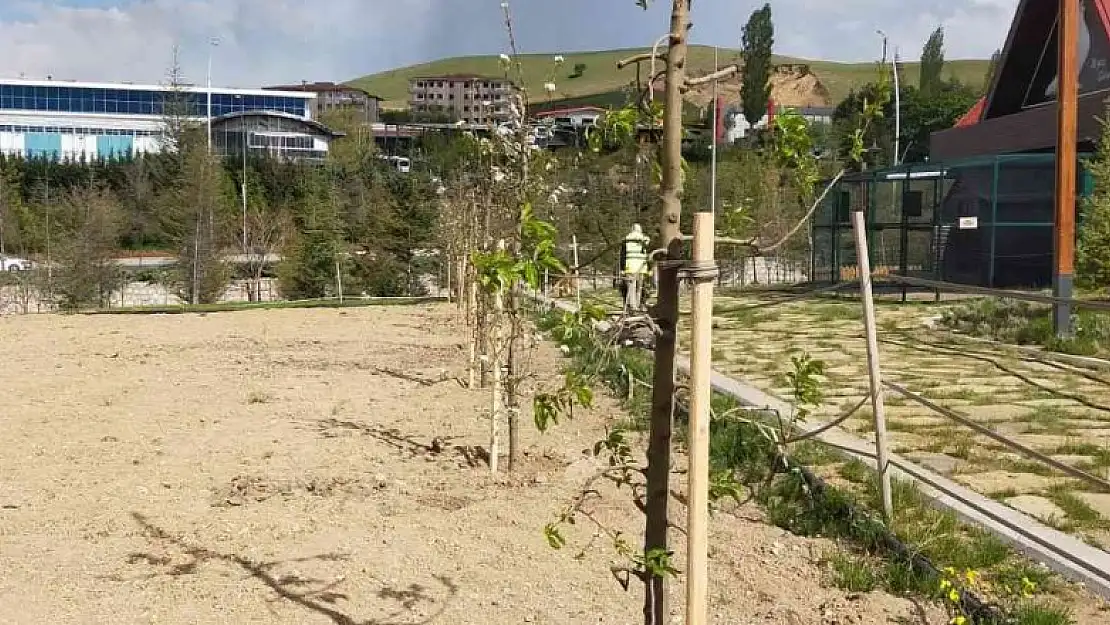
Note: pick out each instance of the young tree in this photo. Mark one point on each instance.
(932, 63)
(756, 47)
(316, 247)
(1092, 260)
(89, 220)
(198, 209)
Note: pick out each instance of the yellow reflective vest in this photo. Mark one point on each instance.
(635, 254)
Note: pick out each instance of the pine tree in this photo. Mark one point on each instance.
(757, 45)
(932, 62)
(1093, 249)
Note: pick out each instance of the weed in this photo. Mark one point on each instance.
(1077, 511)
(1035, 613)
(852, 573)
(259, 397)
(856, 471)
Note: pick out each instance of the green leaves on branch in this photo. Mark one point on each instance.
(872, 110)
(500, 269)
(794, 150)
(619, 128)
(805, 383)
(548, 408)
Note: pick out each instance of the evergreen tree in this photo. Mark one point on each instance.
(932, 62)
(756, 46)
(992, 69)
(1093, 249)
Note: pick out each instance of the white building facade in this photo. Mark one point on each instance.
(97, 121)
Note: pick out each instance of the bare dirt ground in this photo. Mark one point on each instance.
(258, 467)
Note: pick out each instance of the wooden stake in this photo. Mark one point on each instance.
(338, 281)
(472, 305)
(448, 268)
(875, 375)
(577, 281)
(495, 352)
(1067, 99)
(697, 510)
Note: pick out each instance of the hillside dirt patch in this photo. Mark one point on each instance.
(270, 467)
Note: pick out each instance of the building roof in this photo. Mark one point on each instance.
(321, 87)
(973, 114)
(311, 123)
(127, 86)
(1018, 114)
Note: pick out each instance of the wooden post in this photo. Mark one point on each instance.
(338, 281)
(697, 510)
(882, 461)
(577, 284)
(475, 329)
(1067, 99)
(496, 384)
(448, 269)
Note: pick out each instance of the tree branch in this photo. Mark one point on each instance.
(640, 58)
(721, 74)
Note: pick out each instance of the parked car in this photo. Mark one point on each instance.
(11, 263)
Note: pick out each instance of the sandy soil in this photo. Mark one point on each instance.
(257, 467)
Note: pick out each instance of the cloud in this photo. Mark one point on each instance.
(267, 41)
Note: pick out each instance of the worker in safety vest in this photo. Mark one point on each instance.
(634, 268)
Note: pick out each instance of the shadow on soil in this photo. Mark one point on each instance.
(474, 456)
(315, 595)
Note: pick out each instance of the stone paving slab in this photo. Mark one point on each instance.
(1034, 403)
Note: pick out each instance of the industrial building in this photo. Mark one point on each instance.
(90, 121)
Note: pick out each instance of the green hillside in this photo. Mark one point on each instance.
(602, 76)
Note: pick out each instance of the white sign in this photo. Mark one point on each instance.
(969, 223)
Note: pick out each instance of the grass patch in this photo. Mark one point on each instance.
(855, 471)
(827, 313)
(1079, 514)
(1030, 613)
(1025, 323)
(852, 572)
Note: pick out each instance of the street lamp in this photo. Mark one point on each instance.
(897, 98)
(212, 43)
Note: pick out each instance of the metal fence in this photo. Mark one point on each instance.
(986, 221)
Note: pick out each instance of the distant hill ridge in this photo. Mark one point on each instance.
(798, 82)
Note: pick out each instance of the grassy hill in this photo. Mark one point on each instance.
(603, 77)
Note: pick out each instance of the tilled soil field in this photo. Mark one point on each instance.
(323, 466)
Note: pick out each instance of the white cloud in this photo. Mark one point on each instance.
(267, 41)
(262, 41)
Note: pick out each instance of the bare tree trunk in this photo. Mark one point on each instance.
(656, 600)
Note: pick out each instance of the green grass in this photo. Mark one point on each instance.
(848, 515)
(602, 76)
(278, 305)
(851, 572)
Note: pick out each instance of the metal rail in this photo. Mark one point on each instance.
(985, 431)
(982, 290)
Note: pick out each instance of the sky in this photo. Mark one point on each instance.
(275, 41)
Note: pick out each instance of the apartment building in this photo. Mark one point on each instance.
(335, 97)
(469, 98)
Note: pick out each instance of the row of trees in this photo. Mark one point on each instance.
(353, 215)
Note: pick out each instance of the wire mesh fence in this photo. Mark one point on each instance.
(986, 222)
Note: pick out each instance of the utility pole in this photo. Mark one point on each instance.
(212, 43)
(713, 155)
(1067, 101)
